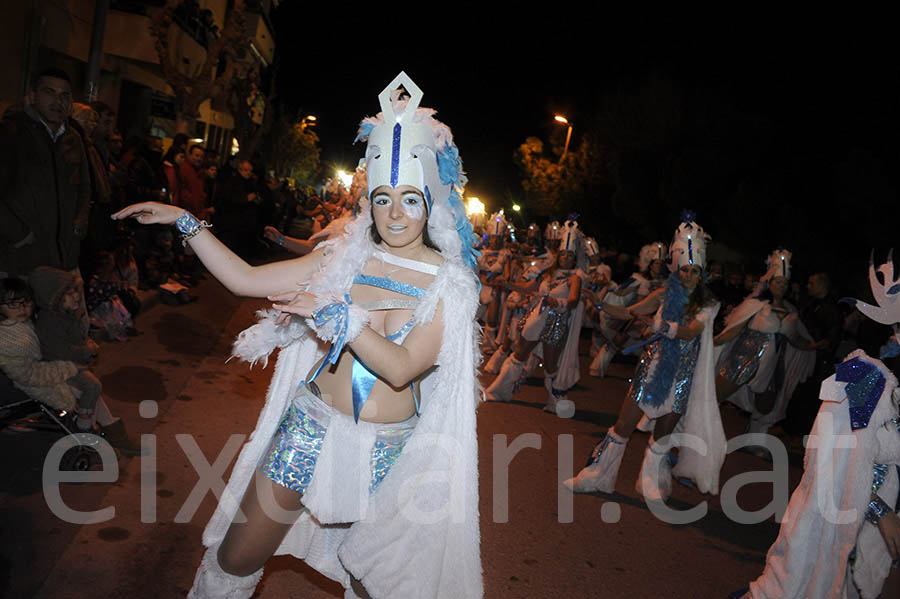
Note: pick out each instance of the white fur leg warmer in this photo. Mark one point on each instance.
(655, 480)
(603, 468)
(506, 384)
(211, 582)
(646, 424)
(496, 362)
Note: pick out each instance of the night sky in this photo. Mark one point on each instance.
(822, 90)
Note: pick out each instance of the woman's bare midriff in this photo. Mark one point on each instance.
(385, 404)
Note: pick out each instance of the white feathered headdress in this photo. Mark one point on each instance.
(496, 226)
(778, 264)
(552, 232)
(689, 245)
(406, 145)
(570, 237)
(649, 253)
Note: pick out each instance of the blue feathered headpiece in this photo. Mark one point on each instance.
(401, 124)
(451, 173)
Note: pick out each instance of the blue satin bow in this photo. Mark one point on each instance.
(337, 312)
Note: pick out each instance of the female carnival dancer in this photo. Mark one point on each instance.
(766, 351)
(673, 378)
(840, 535)
(554, 323)
(516, 307)
(349, 471)
(615, 332)
(493, 267)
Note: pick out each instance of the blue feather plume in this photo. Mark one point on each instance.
(660, 383)
(451, 173)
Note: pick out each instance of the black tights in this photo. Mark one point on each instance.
(270, 510)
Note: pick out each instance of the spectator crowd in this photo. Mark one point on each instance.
(64, 169)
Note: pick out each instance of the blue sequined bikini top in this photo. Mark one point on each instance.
(363, 379)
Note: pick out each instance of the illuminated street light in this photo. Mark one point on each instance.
(475, 211)
(516, 208)
(308, 121)
(474, 206)
(345, 178)
(563, 121)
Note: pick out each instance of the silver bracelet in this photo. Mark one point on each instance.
(876, 510)
(189, 227)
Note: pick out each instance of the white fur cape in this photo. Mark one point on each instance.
(418, 534)
(702, 419)
(809, 559)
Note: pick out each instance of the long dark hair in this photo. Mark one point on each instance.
(700, 297)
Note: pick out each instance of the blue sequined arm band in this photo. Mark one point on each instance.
(188, 225)
(876, 510)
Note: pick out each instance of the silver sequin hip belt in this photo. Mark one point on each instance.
(297, 444)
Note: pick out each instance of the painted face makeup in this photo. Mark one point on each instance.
(400, 213)
(412, 203)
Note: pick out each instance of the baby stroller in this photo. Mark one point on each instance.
(26, 413)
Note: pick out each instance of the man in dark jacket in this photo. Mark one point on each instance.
(45, 186)
(822, 318)
(237, 211)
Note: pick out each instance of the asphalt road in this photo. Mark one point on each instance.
(537, 540)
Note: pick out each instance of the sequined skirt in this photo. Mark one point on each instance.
(672, 396)
(742, 363)
(556, 328)
(546, 325)
(291, 458)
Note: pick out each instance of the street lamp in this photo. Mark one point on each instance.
(345, 178)
(308, 121)
(475, 211)
(563, 121)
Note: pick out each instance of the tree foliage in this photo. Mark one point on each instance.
(294, 152)
(207, 81)
(758, 179)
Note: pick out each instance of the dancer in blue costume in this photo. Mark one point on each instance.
(673, 379)
(373, 398)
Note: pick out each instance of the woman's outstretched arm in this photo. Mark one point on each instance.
(648, 305)
(233, 272)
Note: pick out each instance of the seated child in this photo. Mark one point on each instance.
(20, 351)
(161, 270)
(104, 305)
(62, 337)
(125, 276)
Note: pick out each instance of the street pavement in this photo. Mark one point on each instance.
(173, 385)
